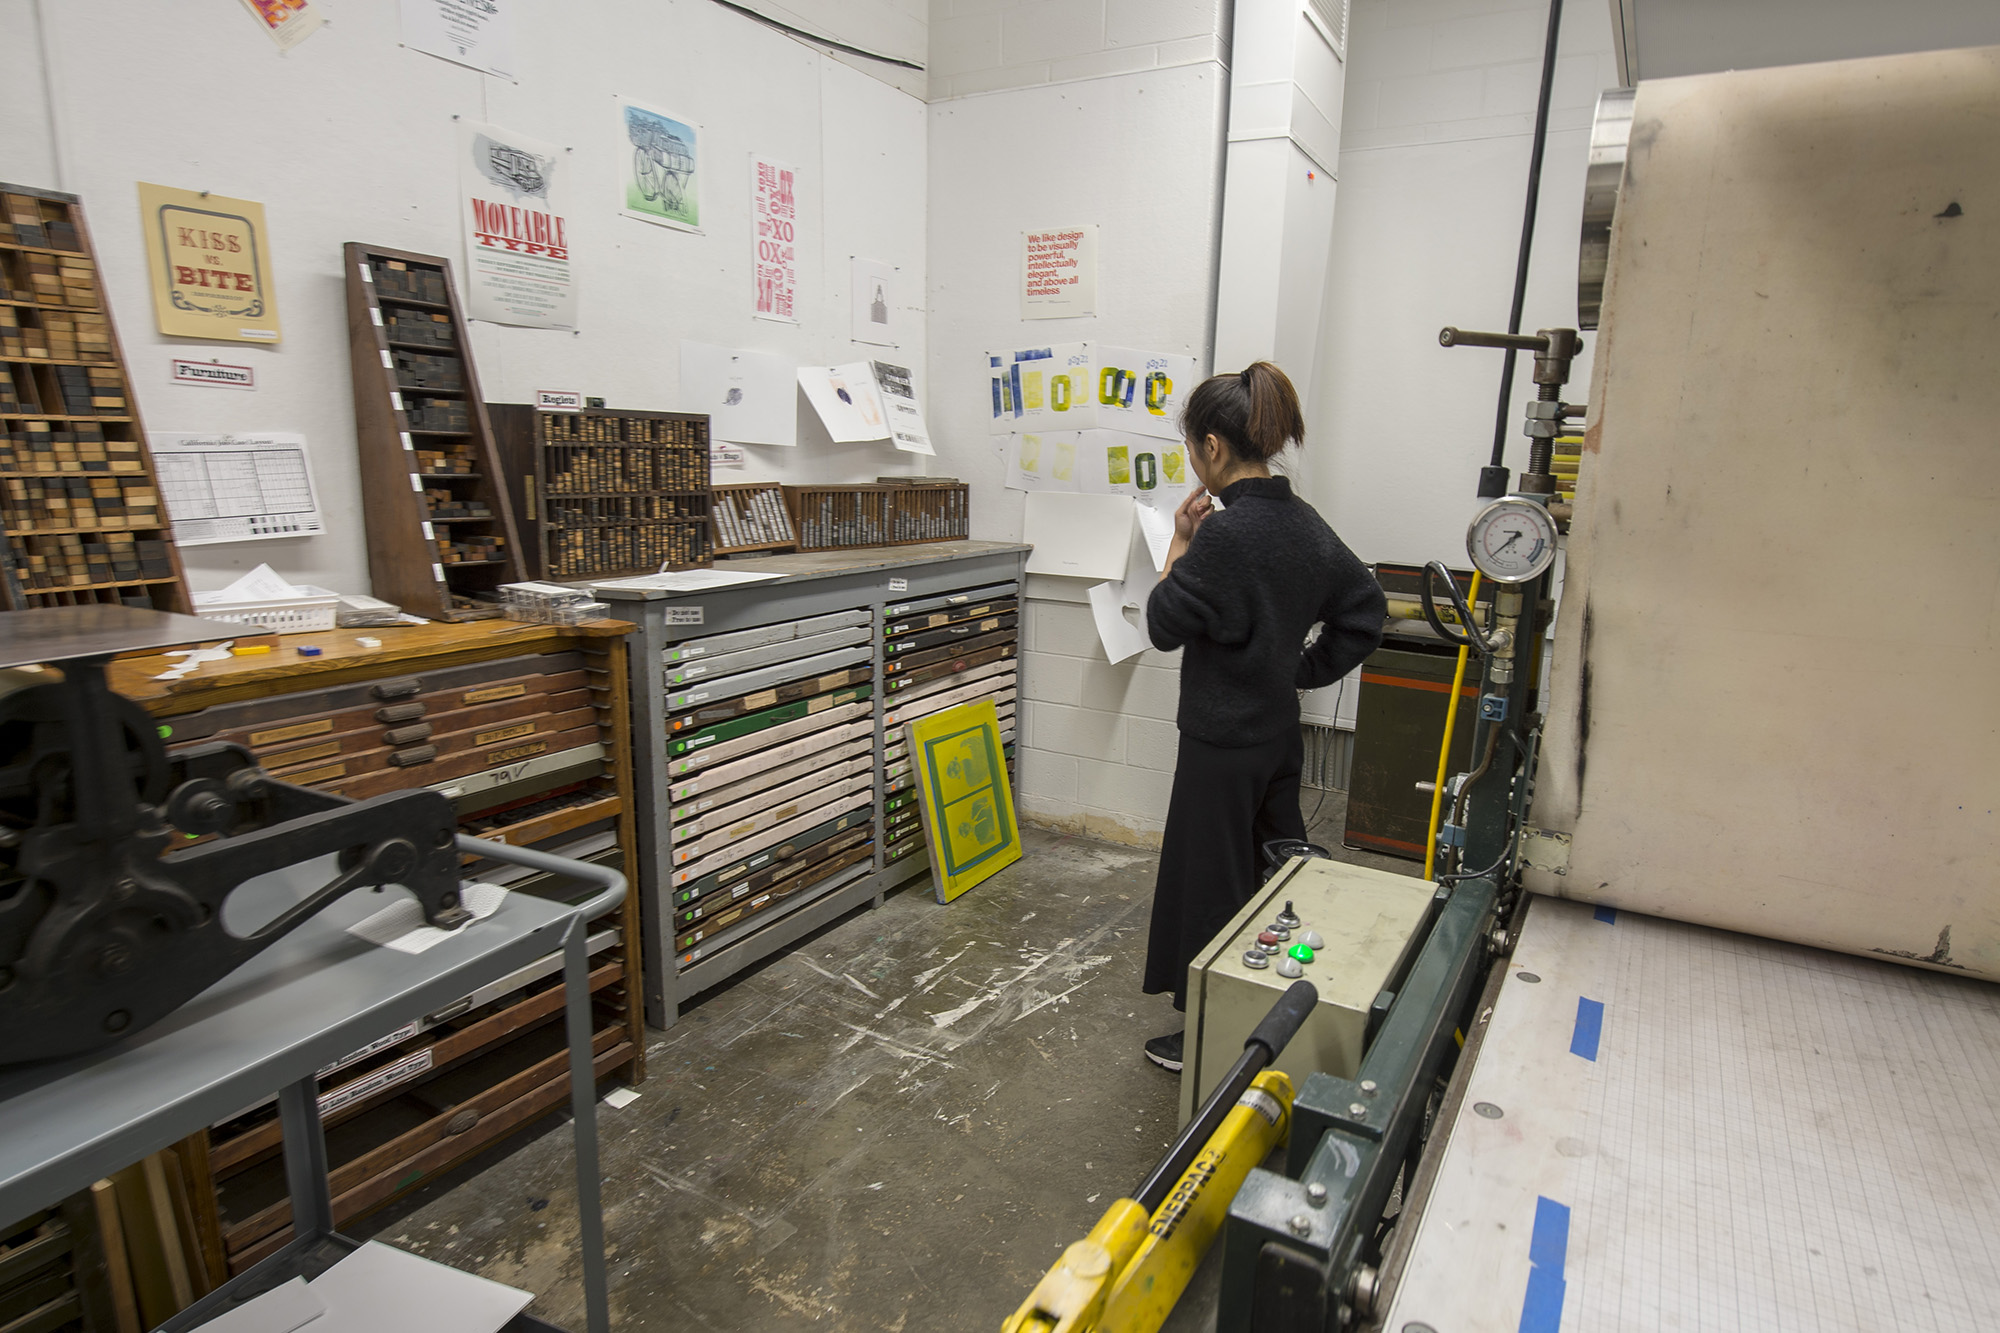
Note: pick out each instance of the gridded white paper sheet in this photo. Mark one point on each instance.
(1704, 1130)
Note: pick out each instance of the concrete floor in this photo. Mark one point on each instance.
(897, 1126)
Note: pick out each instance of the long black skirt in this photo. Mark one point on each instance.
(1227, 803)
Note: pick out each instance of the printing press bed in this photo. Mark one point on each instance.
(1668, 1126)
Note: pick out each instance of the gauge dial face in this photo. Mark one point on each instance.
(1512, 540)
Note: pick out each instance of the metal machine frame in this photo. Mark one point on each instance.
(1304, 1248)
(108, 930)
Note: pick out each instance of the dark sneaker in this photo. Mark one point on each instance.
(1166, 1051)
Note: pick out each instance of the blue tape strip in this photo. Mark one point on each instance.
(1608, 915)
(1589, 1027)
(1549, 1243)
(1548, 1247)
(1542, 1307)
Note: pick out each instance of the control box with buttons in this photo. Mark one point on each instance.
(1347, 929)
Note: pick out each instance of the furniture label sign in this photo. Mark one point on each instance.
(214, 374)
(558, 400)
(685, 615)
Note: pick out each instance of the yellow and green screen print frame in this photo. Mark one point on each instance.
(962, 791)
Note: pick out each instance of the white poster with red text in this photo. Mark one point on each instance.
(774, 217)
(517, 229)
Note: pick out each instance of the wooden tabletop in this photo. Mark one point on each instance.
(342, 658)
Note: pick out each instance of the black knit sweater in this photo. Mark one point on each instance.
(1257, 576)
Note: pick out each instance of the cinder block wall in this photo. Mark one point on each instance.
(1097, 752)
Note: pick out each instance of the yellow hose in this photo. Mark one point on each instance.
(1444, 750)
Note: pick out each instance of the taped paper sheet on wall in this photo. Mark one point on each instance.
(235, 488)
(1081, 385)
(1041, 388)
(846, 400)
(288, 22)
(1044, 461)
(515, 209)
(1120, 613)
(478, 34)
(898, 391)
(774, 209)
(874, 294)
(1157, 527)
(1140, 391)
(1078, 536)
(659, 173)
(748, 395)
(1116, 462)
(1059, 272)
(210, 261)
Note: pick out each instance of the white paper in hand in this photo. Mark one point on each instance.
(381, 1289)
(1157, 526)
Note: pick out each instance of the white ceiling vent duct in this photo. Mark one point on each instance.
(1287, 75)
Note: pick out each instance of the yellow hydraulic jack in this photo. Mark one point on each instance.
(1125, 1276)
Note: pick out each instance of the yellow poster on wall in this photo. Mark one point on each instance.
(210, 258)
(964, 795)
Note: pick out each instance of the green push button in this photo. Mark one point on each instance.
(1302, 952)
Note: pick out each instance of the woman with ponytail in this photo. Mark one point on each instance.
(1243, 585)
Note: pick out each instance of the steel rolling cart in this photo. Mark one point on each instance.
(305, 1002)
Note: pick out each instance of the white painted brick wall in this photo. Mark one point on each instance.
(984, 46)
(1433, 71)
(1099, 742)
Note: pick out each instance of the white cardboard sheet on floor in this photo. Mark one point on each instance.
(381, 1289)
(282, 1309)
(1078, 536)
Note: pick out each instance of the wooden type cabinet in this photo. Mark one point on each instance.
(441, 531)
(525, 727)
(769, 772)
(82, 518)
(604, 492)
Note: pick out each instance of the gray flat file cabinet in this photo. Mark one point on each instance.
(314, 996)
(820, 583)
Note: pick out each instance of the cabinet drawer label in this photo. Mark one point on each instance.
(492, 692)
(291, 733)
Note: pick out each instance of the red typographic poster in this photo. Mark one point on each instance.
(774, 214)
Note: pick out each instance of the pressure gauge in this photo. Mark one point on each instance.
(1512, 540)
